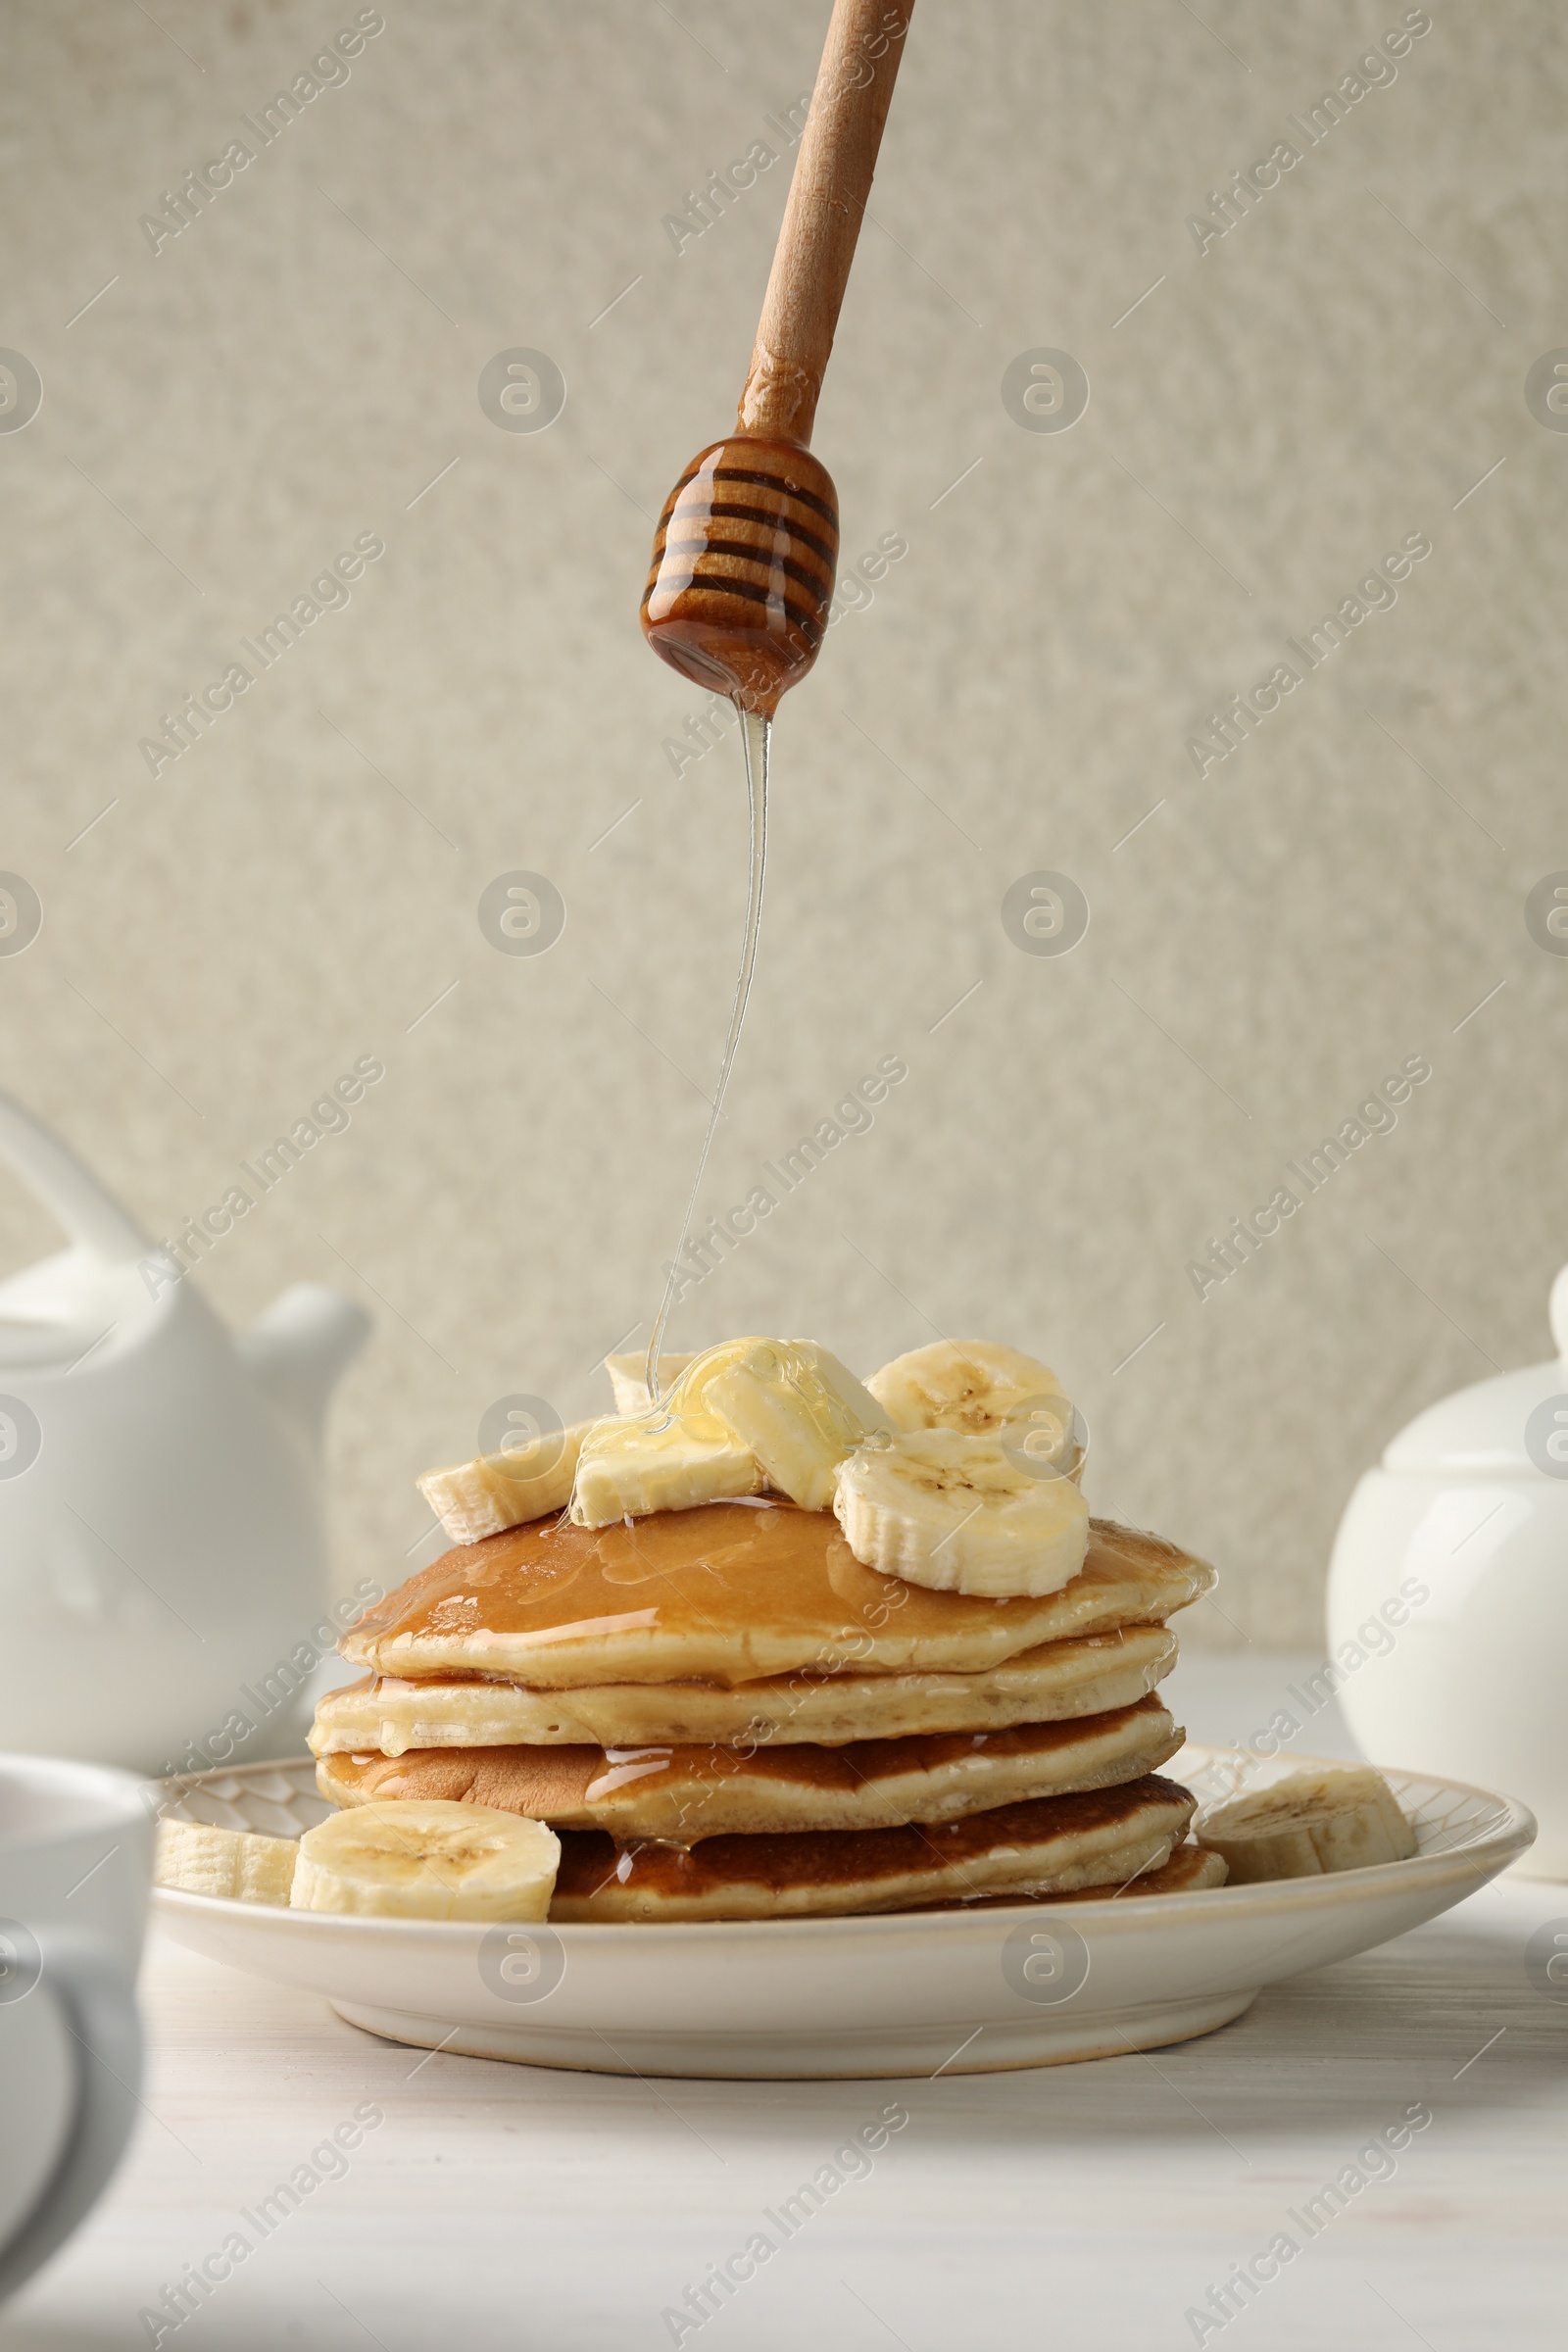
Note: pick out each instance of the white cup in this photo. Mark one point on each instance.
(75, 1861)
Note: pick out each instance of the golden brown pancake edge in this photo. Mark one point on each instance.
(686, 1793)
(1097, 1837)
(732, 1594)
(1056, 1681)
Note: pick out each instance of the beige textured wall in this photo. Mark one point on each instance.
(294, 893)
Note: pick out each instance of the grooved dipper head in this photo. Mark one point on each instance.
(742, 576)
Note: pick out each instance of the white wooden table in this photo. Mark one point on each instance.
(1089, 2208)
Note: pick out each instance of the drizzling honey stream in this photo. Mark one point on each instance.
(747, 547)
(757, 731)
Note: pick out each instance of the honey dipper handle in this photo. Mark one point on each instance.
(823, 217)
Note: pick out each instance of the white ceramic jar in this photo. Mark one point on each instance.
(1469, 1506)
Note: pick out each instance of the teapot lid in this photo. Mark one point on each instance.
(1515, 1422)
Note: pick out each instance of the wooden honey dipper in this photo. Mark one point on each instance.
(747, 546)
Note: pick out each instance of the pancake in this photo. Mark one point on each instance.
(686, 1793)
(732, 1593)
(1189, 1868)
(1055, 1683)
(1098, 1838)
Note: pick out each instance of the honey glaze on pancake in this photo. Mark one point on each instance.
(712, 1580)
(591, 1859)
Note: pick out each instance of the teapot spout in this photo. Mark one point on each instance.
(298, 1349)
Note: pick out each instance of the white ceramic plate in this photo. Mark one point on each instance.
(900, 1993)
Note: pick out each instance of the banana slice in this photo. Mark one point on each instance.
(982, 1388)
(428, 1860)
(748, 1413)
(659, 1470)
(668, 1457)
(484, 1497)
(800, 1411)
(629, 1377)
(1309, 1825)
(938, 1507)
(240, 1864)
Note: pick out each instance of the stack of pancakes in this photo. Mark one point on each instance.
(725, 1716)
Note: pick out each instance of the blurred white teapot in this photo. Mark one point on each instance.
(161, 1537)
(1469, 1508)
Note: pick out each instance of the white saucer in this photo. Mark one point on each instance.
(914, 1992)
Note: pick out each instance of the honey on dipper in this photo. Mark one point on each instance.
(747, 546)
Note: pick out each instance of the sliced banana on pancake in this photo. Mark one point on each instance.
(484, 1497)
(1309, 1825)
(238, 1865)
(629, 1471)
(801, 1412)
(670, 1456)
(980, 1387)
(747, 1415)
(960, 1513)
(428, 1860)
